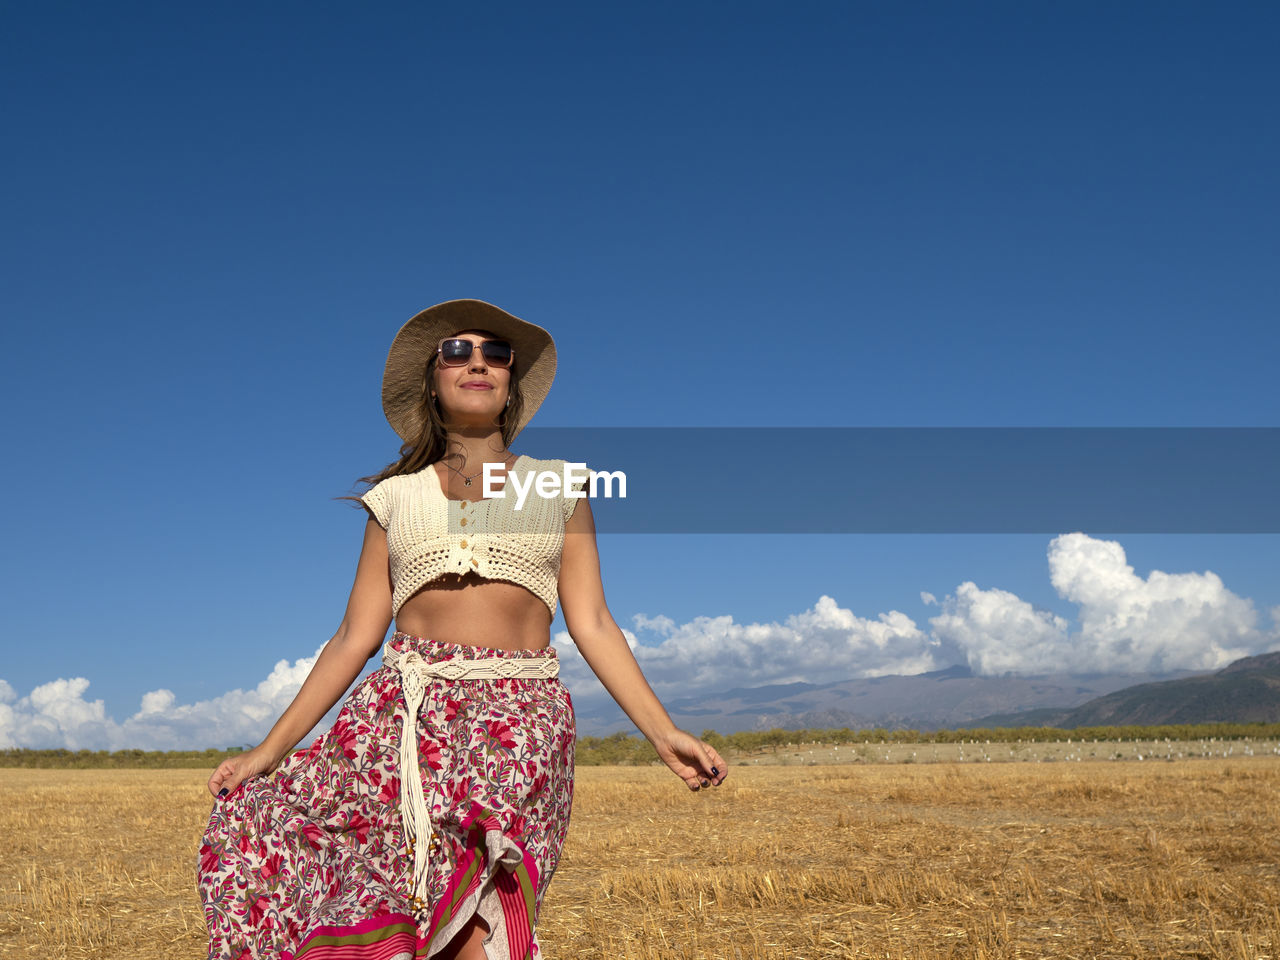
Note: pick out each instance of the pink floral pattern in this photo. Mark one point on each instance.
(311, 861)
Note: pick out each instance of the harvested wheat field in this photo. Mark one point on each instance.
(1087, 859)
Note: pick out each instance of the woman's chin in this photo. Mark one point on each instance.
(472, 418)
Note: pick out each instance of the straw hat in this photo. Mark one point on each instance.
(403, 381)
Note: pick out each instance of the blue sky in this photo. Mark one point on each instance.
(979, 215)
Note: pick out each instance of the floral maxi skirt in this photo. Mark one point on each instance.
(311, 861)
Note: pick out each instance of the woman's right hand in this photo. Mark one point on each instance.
(233, 771)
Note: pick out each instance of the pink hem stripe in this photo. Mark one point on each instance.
(396, 945)
(397, 941)
(364, 926)
(515, 914)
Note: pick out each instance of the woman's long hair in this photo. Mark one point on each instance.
(431, 443)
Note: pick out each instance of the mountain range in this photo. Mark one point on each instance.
(1247, 690)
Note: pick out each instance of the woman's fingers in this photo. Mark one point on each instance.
(225, 779)
(235, 770)
(692, 778)
(711, 764)
(676, 755)
(717, 768)
(697, 763)
(220, 774)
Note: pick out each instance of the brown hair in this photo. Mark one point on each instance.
(431, 443)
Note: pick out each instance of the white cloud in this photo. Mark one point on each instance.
(663, 625)
(156, 702)
(1168, 621)
(1126, 624)
(56, 714)
(997, 632)
(717, 654)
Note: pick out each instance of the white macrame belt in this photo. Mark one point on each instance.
(415, 675)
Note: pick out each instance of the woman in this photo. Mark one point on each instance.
(428, 821)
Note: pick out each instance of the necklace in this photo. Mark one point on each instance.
(466, 481)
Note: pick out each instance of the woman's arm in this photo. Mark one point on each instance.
(604, 647)
(363, 627)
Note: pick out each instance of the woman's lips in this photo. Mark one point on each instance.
(476, 386)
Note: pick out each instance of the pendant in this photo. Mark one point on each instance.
(466, 483)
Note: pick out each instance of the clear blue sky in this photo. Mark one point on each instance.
(985, 214)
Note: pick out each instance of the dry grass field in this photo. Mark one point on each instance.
(990, 860)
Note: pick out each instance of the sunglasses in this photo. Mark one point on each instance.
(457, 351)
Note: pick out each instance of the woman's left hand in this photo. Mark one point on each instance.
(694, 761)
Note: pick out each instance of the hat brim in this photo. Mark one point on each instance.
(403, 379)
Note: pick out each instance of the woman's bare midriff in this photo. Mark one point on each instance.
(478, 612)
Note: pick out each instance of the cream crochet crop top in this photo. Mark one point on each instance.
(429, 535)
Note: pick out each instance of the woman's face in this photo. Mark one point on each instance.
(473, 393)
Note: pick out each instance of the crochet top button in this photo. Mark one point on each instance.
(429, 533)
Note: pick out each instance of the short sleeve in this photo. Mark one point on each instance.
(569, 502)
(378, 502)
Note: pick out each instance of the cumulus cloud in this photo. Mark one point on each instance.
(997, 632)
(57, 714)
(1126, 624)
(1168, 621)
(664, 625)
(716, 653)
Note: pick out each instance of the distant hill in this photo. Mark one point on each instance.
(929, 701)
(1246, 691)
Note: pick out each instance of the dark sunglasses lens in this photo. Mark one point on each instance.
(455, 352)
(497, 352)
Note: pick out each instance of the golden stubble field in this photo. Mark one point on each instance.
(1000, 860)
